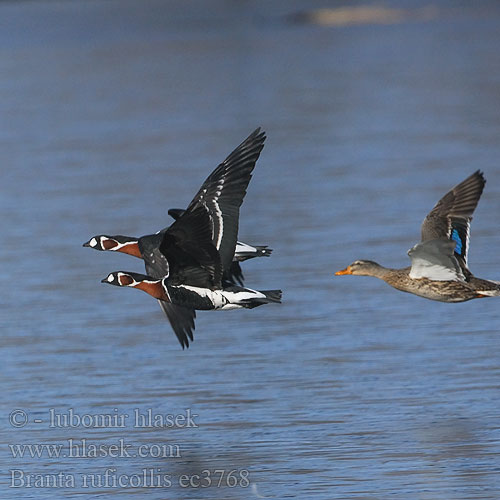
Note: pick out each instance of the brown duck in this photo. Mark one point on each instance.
(438, 268)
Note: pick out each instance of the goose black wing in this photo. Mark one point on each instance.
(187, 245)
(233, 275)
(181, 319)
(223, 191)
(193, 260)
(175, 213)
(452, 215)
(185, 254)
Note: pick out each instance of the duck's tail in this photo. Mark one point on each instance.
(488, 293)
(486, 288)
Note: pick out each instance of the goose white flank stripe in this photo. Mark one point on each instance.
(224, 299)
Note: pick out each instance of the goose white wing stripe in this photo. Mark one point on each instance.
(218, 213)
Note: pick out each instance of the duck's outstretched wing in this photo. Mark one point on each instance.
(223, 191)
(435, 260)
(452, 215)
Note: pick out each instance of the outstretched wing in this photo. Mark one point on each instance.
(175, 213)
(234, 276)
(187, 245)
(185, 253)
(223, 191)
(435, 260)
(452, 215)
(180, 318)
(243, 251)
(182, 321)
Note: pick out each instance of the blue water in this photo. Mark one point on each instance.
(112, 112)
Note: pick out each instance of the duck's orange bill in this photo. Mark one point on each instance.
(347, 270)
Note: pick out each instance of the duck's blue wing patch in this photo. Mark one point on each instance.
(456, 237)
(459, 233)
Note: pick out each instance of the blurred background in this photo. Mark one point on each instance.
(113, 111)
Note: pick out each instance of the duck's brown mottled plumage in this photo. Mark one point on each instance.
(442, 291)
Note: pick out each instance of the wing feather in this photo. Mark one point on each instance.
(435, 260)
(187, 245)
(182, 321)
(452, 215)
(223, 191)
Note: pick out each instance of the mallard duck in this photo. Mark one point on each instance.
(439, 269)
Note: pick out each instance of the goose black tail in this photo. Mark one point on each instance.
(263, 251)
(271, 296)
(257, 251)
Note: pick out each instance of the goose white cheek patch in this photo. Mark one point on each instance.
(111, 278)
(93, 242)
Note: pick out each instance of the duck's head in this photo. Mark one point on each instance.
(361, 268)
(118, 243)
(140, 281)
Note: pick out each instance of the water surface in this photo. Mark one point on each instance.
(112, 112)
